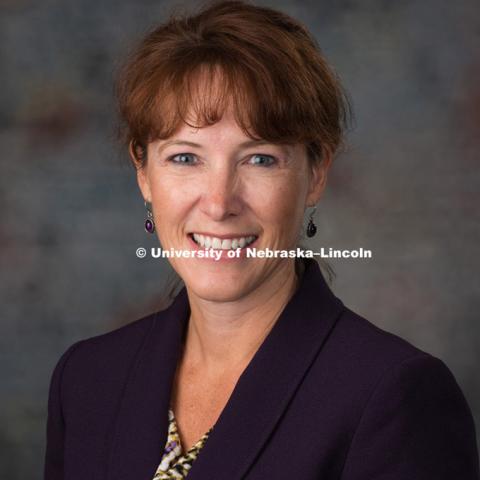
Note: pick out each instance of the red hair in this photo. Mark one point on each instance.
(261, 62)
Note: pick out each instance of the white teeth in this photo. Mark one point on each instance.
(226, 244)
(222, 244)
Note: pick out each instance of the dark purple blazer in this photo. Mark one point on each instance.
(328, 396)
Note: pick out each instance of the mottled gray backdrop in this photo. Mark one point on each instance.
(72, 215)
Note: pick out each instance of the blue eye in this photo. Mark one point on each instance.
(262, 160)
(183, 158)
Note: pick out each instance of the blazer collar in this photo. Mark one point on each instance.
(256, 405)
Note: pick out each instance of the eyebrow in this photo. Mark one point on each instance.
(247, 144)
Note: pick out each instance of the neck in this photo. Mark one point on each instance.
(222, 338)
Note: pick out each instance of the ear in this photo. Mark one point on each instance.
(318, 178)
(142, 174)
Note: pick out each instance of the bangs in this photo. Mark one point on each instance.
(199, 94)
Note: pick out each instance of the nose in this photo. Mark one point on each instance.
(221, 195)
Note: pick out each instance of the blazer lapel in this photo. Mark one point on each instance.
(256, 405)
(270, 380)
(140, 433)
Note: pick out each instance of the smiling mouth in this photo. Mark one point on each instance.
(217, 243)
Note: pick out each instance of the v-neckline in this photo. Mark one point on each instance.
(174, 430)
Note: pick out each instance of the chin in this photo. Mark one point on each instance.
(217, 294)
(217, 290)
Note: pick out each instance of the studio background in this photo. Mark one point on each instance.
(72, 215)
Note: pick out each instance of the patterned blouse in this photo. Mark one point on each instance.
(175, 464)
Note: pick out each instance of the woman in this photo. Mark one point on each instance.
(256, 370)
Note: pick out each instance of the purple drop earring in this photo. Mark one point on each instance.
(311, 227)
(149, 223)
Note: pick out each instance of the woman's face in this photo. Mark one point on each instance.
(214, 187)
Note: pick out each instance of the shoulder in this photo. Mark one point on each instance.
(394, 401)
(395, 366)
(370, 348)
(360, 361)
(112, 347)
(413, 417)
(102, 361)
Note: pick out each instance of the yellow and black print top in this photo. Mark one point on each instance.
(175, 464)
